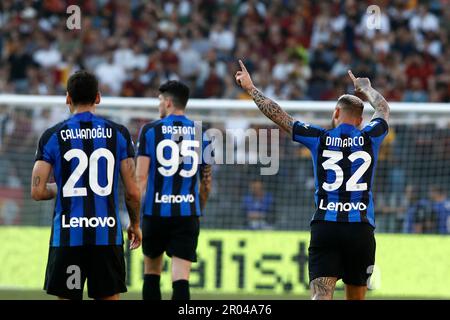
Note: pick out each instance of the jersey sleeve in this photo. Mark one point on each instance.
(307, 134)
(377, 130)
(126, 145)
(142, 147)
(45, 148)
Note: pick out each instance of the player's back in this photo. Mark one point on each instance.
(85, 152)
(173, 146)
(344, 165)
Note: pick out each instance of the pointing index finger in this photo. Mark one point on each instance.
(350, 73)
(242, 66)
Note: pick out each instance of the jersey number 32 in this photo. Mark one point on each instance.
(352, 183)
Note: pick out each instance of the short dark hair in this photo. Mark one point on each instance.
(351, 105)
(82, 87)
(178, 91)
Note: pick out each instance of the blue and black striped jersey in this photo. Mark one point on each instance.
(85, 152)
(175, 147)
(344, 160)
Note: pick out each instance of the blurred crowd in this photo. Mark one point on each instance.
(296, 49)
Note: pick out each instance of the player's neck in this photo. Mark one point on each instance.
(176, 112)
(84, 108)
(347, 121)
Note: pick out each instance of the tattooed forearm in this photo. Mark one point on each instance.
(43, 191)
(322, 288)
(205, 185)
(272, 110)
(378, 102)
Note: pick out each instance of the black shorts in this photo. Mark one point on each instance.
(69, 267)
(177, 236)
(342, 250)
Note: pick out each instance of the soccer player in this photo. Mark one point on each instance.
(342, 229)
(86, 153)
(168, 171)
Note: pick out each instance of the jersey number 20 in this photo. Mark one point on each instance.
(352, 183)
(69, 189)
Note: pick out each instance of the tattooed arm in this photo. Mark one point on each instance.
(323, 288)
(376, 100)
(132, 201)
(205, 185)
(272, 110)
(40, 188)
(267, 106)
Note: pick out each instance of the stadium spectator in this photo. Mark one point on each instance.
(423, 20)
(418, 216)
(19, 61)
(342, 65)
(213, 86)
(111, 75)
(415, 93)
(190, 60)
(257, 206)
(222, 39)
(47, 56)
(134, 87)
(441, 208)
(431, 214)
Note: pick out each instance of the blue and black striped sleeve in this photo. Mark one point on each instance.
(377, 130)
(142, 149)
(146, 138)
(307, 134)
(127, 145)
(46, 145)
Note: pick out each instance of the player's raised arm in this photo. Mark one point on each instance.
(377, 101)
(269, 107)
(205, 184)
(132, 201)
(40, 188)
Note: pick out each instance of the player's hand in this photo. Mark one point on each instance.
(134, 235)
(361, 84)
(243, 78)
